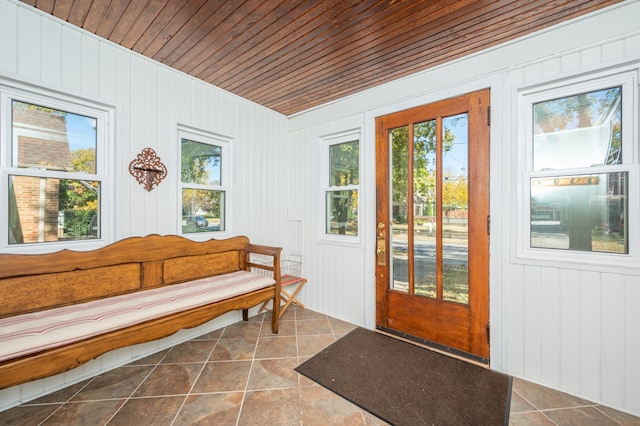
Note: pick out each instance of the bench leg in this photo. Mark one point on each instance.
(291, 298)
(245, 315)
(264, 306)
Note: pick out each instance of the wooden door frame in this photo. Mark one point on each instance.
(478, 119)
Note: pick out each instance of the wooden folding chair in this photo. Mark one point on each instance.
(289, 278)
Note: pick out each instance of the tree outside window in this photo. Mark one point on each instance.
(203, 189)
(54, 182)
(341, 195)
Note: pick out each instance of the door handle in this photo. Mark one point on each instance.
(381, 247)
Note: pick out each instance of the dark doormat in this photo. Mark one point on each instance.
(404, 384)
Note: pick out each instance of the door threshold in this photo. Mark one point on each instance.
(436, 347)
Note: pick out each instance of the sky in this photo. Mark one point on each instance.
(81, 131)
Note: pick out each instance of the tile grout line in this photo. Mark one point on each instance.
(253, 357)
(134, 390)
(66, 401)
(204, 365)
(295, 328)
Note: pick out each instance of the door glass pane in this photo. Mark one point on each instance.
(580, 212)
(424, 205)
(455, 206)
(399, 207)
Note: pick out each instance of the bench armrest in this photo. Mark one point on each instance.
(272, 267)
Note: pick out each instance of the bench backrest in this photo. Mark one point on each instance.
(33, 282)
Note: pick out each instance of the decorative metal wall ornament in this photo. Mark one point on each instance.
(148, 169)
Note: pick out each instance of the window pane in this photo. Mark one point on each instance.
(202, 210)
(578, 131)
(46, 209)
(51, 139)
(342, 212)
(584, 212)
(201, 163)
(344, 164)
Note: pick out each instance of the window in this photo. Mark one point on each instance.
(580, 167)
(204, 162)
(53, 162)
(342, 182)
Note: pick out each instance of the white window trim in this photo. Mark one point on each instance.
(226, 145)
(104, 114)
(324, 142)
(526, 97)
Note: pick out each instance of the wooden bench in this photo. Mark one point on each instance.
(60, 310)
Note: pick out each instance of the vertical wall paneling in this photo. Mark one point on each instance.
(533, 321)
(107, 82)
(570, 355)
(123, 149)
(9, 33)
(91, 71)
(28, 34)
(185, 100)
(50, 53)
(174, 111)
(150, 100)
(590, 333)
(334, 270)
(166, 135)
(155, 214)
(71, 58)
(559, 324)
(207, 111)
(196, 101)
(216, 109)
(613, 294)
(136, 140)
(294, 237)
(550, 332)
(591, 56)
(630, 379)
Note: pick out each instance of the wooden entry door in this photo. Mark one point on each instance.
(432, 253)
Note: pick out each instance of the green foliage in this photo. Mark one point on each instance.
(78, 199)
(344, 161)
(197, 160)
(207, 200)
(78, 223)
(424, 161)
(84, 160)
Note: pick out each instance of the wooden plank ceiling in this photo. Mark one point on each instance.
(292, 55)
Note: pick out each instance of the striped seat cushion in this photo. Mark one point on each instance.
(37, 331)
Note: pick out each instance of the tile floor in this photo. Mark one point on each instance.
(243, 375)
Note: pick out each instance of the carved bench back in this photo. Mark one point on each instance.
(36, 282)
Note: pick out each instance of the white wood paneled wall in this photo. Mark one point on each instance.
(568, 328)
(150, 101)
(334, 271)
